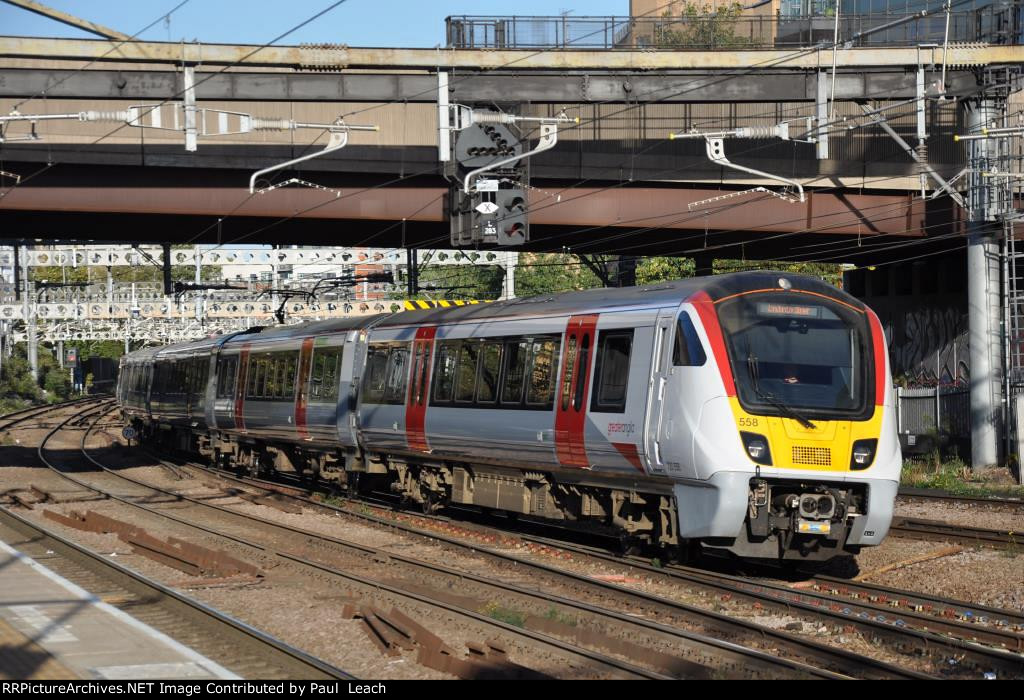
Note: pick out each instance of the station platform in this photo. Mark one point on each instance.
(51, 629)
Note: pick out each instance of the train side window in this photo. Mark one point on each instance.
(688, 351)
(316, 376)
(444, 372)
(398, 375)
(611, 375)
(515, 372)
(581, 373)
(288, 383)
(375, 374)
(324, 379)
(465, 375)
(226, 377)
(490, 368)
(272, 383)
(570, 368)
(543, 362)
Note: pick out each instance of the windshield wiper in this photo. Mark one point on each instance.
(786, 410)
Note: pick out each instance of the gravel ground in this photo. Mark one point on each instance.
(990, 517)
(985, 577)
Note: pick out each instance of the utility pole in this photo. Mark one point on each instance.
(983, 288)
(412, 272)
(509, 287)
(30, 320)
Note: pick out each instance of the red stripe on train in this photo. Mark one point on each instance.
(419, 389)
(709, 319)
(880, 353)
(302, 388)
(570, 418)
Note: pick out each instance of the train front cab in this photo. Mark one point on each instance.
(795, 454)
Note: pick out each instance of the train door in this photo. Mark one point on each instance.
(681, 407)
(660, 371)
(573, 388)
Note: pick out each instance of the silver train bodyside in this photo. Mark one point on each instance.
(618, 408)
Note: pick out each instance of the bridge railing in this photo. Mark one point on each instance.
(999, 23)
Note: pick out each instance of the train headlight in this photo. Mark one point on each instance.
(757, 448)
(863, 454)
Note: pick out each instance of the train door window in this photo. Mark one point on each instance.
(543, 362)
(611, 374)
(255, 370)
(424, 375)
(398, 375)
(316, 377)
(582, 373)
(570, 367)
(444, 372)
(490, 369)
(420, 369)
(375, 374)
(516, 353)
(465, 376)
(324, 377)
(291, 365)
(226, 377)
(688, 351)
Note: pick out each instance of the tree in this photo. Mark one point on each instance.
(540, 273)
(698, 26)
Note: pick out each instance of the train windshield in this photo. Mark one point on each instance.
(798, 355)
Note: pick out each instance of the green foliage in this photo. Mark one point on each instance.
(953, 476)
(698, 26)
(57, 383)
(506, 615)
(661, 269)
(482, 282)
(555, 615)
(548, 273)
(830, 272)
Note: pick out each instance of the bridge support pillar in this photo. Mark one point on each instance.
(983, 296)
(703, 266)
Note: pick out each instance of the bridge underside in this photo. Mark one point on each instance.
(152, 204)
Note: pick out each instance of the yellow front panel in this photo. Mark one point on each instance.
(826, 447)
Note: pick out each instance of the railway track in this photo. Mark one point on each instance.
(695, 641)
(933, 496)
(9, 420)
(251, 534)
(957, 639)
(245, 651)
(920, 529)
(899, 617)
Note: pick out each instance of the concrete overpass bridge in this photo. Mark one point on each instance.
(615, 175)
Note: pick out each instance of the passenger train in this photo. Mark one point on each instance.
(750, 412)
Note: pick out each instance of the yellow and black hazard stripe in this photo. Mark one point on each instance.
(420, 304)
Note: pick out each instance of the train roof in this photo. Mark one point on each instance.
(717, 287)
(602, 300)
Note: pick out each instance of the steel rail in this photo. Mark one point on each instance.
(958, 638)
(291, 661)
(840, 660)
(919, 529)
(604, 663)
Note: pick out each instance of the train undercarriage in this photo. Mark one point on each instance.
(642, 519)
(781, 522)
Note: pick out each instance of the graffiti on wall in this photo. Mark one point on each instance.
(927, 344)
